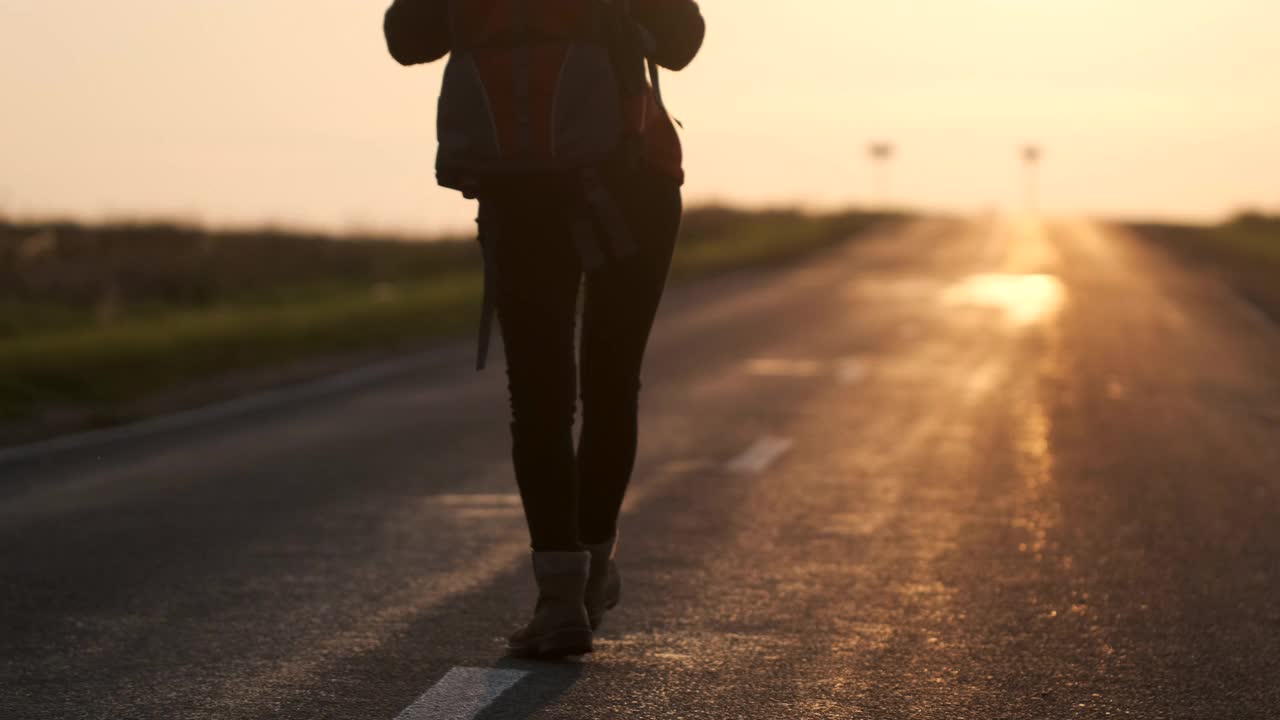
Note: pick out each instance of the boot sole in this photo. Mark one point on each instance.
(556, 645)
(565, 643)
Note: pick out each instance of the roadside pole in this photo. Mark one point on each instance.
(1031, 158)
(881, 154)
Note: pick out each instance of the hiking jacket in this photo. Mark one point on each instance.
(417, 32)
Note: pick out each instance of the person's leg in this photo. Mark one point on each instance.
(622, 300)
(537, 288)
(538, 274)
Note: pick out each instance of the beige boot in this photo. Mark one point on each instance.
(604, 588)
(560, 625)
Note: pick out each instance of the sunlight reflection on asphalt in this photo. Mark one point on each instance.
(1025, 300)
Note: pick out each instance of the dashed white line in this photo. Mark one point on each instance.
(417, 596)
(462, 694)
(478, 499)
(761, 455)
(848, 370)
(784, 367)
(489, 513)
(481, 506)
(333, 385)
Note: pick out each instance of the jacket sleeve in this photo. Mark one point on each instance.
(417, 30)
(677, 28)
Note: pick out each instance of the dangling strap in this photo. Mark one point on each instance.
(657, 91)
(487, 230)
(657, 84)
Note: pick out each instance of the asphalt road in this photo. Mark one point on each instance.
(998, 468)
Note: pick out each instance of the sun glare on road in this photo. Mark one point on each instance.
(1024, 299)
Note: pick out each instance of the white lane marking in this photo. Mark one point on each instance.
(462, 694)
(419, 595)
(761, 455)
(333, 385)
(478, 499)
(848, 370)
(488, 513)
(783, 367)
(481, 506)
(852, 370)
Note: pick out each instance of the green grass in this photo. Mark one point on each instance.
(1245, 251)
(95, 322)
(100, 367)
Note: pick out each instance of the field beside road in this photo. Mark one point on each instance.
(102, 325)
(1245, 252)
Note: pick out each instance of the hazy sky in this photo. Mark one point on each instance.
(244, 111)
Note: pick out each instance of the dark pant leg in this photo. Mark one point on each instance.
(538, 275)
(621, 302)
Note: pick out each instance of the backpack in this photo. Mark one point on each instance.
(544, 86)
(538, 86)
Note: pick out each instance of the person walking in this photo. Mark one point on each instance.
(547, 118)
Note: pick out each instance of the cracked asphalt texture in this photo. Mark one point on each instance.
(1035, 474)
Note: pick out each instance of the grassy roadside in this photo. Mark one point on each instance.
(104, 325)
(1245, 251)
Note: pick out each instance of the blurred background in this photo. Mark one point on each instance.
(963, 401)
(178, 181)
(244, 113)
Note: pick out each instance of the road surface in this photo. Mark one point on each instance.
(992, 468)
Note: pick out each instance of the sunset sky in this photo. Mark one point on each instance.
(287, 111)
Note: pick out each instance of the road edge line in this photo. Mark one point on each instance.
(267, 400)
